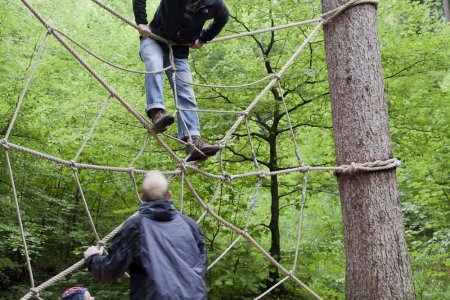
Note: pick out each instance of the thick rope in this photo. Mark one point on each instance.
(372, 166)
(237, 86)
(108, 62)
(377, 165)
(326, 16)
(112, 92)
(228, 112)
(159, 71)
(270, 85)
(73, 268)
(68, 163)
(251, 240)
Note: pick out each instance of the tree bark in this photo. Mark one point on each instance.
(274, 226)
(377, 263)
(445, 4)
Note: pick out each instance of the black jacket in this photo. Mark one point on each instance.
(163, 250)
(174, 20)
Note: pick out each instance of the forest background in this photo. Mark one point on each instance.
(63, 101)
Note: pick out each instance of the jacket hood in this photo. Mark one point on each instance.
(160, 210)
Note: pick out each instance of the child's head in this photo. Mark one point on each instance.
(77, 293)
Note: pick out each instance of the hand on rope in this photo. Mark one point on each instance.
(197, 44)
(93, 250)
(144, 31)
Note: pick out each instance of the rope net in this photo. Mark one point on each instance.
(183, 169)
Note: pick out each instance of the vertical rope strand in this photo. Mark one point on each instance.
(300, 220)
(144, 145)
(217, 191)
(91, 130)
(182, 191)
(19, 218)
(86, 207)
(271, 83)
(255, 160)
(297, 153)
(252, 203)
(27, 84)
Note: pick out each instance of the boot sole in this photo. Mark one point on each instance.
(196, 156)
(163, 123)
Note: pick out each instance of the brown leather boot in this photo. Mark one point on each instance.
(160, 119)
(206, 149)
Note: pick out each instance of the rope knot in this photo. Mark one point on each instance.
(4, 143)
(277, 76)
(226, 177)
(51, 30)
(35, 291)
(244, 113)
(73, 164)
(181, 165)
(262, 175)
(378, 165)
(100, 243)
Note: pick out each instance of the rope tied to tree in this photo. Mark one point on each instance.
(330, 15)
(378, 165)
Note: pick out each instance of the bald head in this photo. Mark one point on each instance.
(155, 186)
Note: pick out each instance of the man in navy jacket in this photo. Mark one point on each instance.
(163, 250)
(181, 22)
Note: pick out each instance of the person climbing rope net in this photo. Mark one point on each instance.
(180, 22)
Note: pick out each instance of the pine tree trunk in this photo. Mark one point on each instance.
(377, 263)
(445, 4)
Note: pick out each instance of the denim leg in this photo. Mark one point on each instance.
(186, 99)
(152, 55)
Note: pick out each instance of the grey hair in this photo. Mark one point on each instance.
(155, 186)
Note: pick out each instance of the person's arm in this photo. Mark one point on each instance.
(120, 257)
(140, 16)
(220, 19)
(140, 12)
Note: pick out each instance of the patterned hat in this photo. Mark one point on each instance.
(74, 293)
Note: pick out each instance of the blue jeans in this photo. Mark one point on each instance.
(155, 58)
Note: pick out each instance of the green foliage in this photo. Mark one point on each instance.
(64, 100)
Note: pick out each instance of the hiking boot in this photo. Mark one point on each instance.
(160, 119)
(206, 150)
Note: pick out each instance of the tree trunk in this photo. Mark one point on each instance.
(377, 263)
(275, 249)
(445, 4)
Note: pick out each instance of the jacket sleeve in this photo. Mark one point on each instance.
(221, 17)
(140, 12)
(120, 256)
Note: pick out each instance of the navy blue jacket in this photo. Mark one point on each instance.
(163, 250)
(173, 22)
